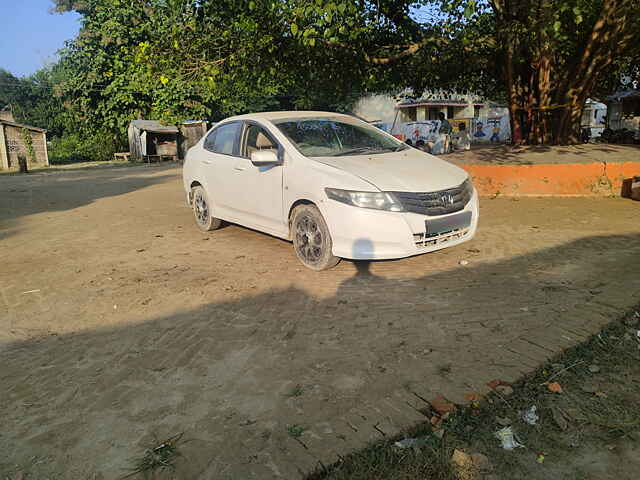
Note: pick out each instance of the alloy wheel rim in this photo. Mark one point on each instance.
(201, 209)
(308, 239)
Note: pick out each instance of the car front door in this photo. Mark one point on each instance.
(261, 197)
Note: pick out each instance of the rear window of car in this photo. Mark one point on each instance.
(224, 139)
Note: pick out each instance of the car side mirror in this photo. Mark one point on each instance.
(265, 158)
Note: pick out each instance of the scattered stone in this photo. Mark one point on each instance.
(504, 390)
(594, 368)
(463, 262)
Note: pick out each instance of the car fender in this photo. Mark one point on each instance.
(305, 181)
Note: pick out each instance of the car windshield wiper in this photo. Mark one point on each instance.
(352, 151)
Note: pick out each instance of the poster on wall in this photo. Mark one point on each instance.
(491, 130)
(412, 132)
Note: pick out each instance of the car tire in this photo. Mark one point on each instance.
(202, 210)
(311, 238)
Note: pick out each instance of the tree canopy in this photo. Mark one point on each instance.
(180, 59)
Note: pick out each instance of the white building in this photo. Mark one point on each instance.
(413, 118)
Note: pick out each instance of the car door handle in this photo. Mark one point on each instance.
(206, 162)
(239, 169)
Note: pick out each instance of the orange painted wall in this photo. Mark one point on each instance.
(593, 179)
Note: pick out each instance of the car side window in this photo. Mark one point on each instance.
(256, 139)
(223, 139)
(209, 142)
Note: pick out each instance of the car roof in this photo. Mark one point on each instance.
(272, 116)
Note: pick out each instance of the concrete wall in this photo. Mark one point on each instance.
(14, 147)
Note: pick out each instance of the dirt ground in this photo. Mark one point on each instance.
(120, 323)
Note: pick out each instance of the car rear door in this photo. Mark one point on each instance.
(220, 153)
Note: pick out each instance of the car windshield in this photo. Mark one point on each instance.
(336, 137)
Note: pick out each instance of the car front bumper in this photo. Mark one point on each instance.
(364, 234)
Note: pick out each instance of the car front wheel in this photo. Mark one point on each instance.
(202, 210)
(311, 238)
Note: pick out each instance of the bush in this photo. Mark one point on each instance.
(74, 148)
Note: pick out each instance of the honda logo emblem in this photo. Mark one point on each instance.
(446, 199)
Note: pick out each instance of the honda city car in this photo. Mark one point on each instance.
(330, 183)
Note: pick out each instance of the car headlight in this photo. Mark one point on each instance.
(374, 200)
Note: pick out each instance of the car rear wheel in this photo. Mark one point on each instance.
(311, 239)
(202, 210)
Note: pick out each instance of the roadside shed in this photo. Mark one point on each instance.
(190, 132)
(623, 110)
(150, 140)
(14, 143)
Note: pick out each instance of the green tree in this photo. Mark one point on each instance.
(178, 59)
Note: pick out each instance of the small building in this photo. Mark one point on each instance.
(623, 110)
(13, 144)
(191, 132)
(150, 140)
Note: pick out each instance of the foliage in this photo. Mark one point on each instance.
(75, 147)
(554, 54)
(173, 60)
(34, 100)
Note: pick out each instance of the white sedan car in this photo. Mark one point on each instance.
(334, 185)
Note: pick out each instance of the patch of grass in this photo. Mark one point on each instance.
(159, 457)
(382, 460)
(296, 391)
(596, 408)
(295, 431)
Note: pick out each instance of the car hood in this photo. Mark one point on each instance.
(407, 171)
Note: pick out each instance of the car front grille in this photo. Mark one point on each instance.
(423, 240)
(437, 203)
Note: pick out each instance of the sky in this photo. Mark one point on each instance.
(30, 35)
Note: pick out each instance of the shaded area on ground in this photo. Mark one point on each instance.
(222, 372)
(35, 193)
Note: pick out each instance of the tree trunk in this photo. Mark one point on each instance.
(545, 107)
